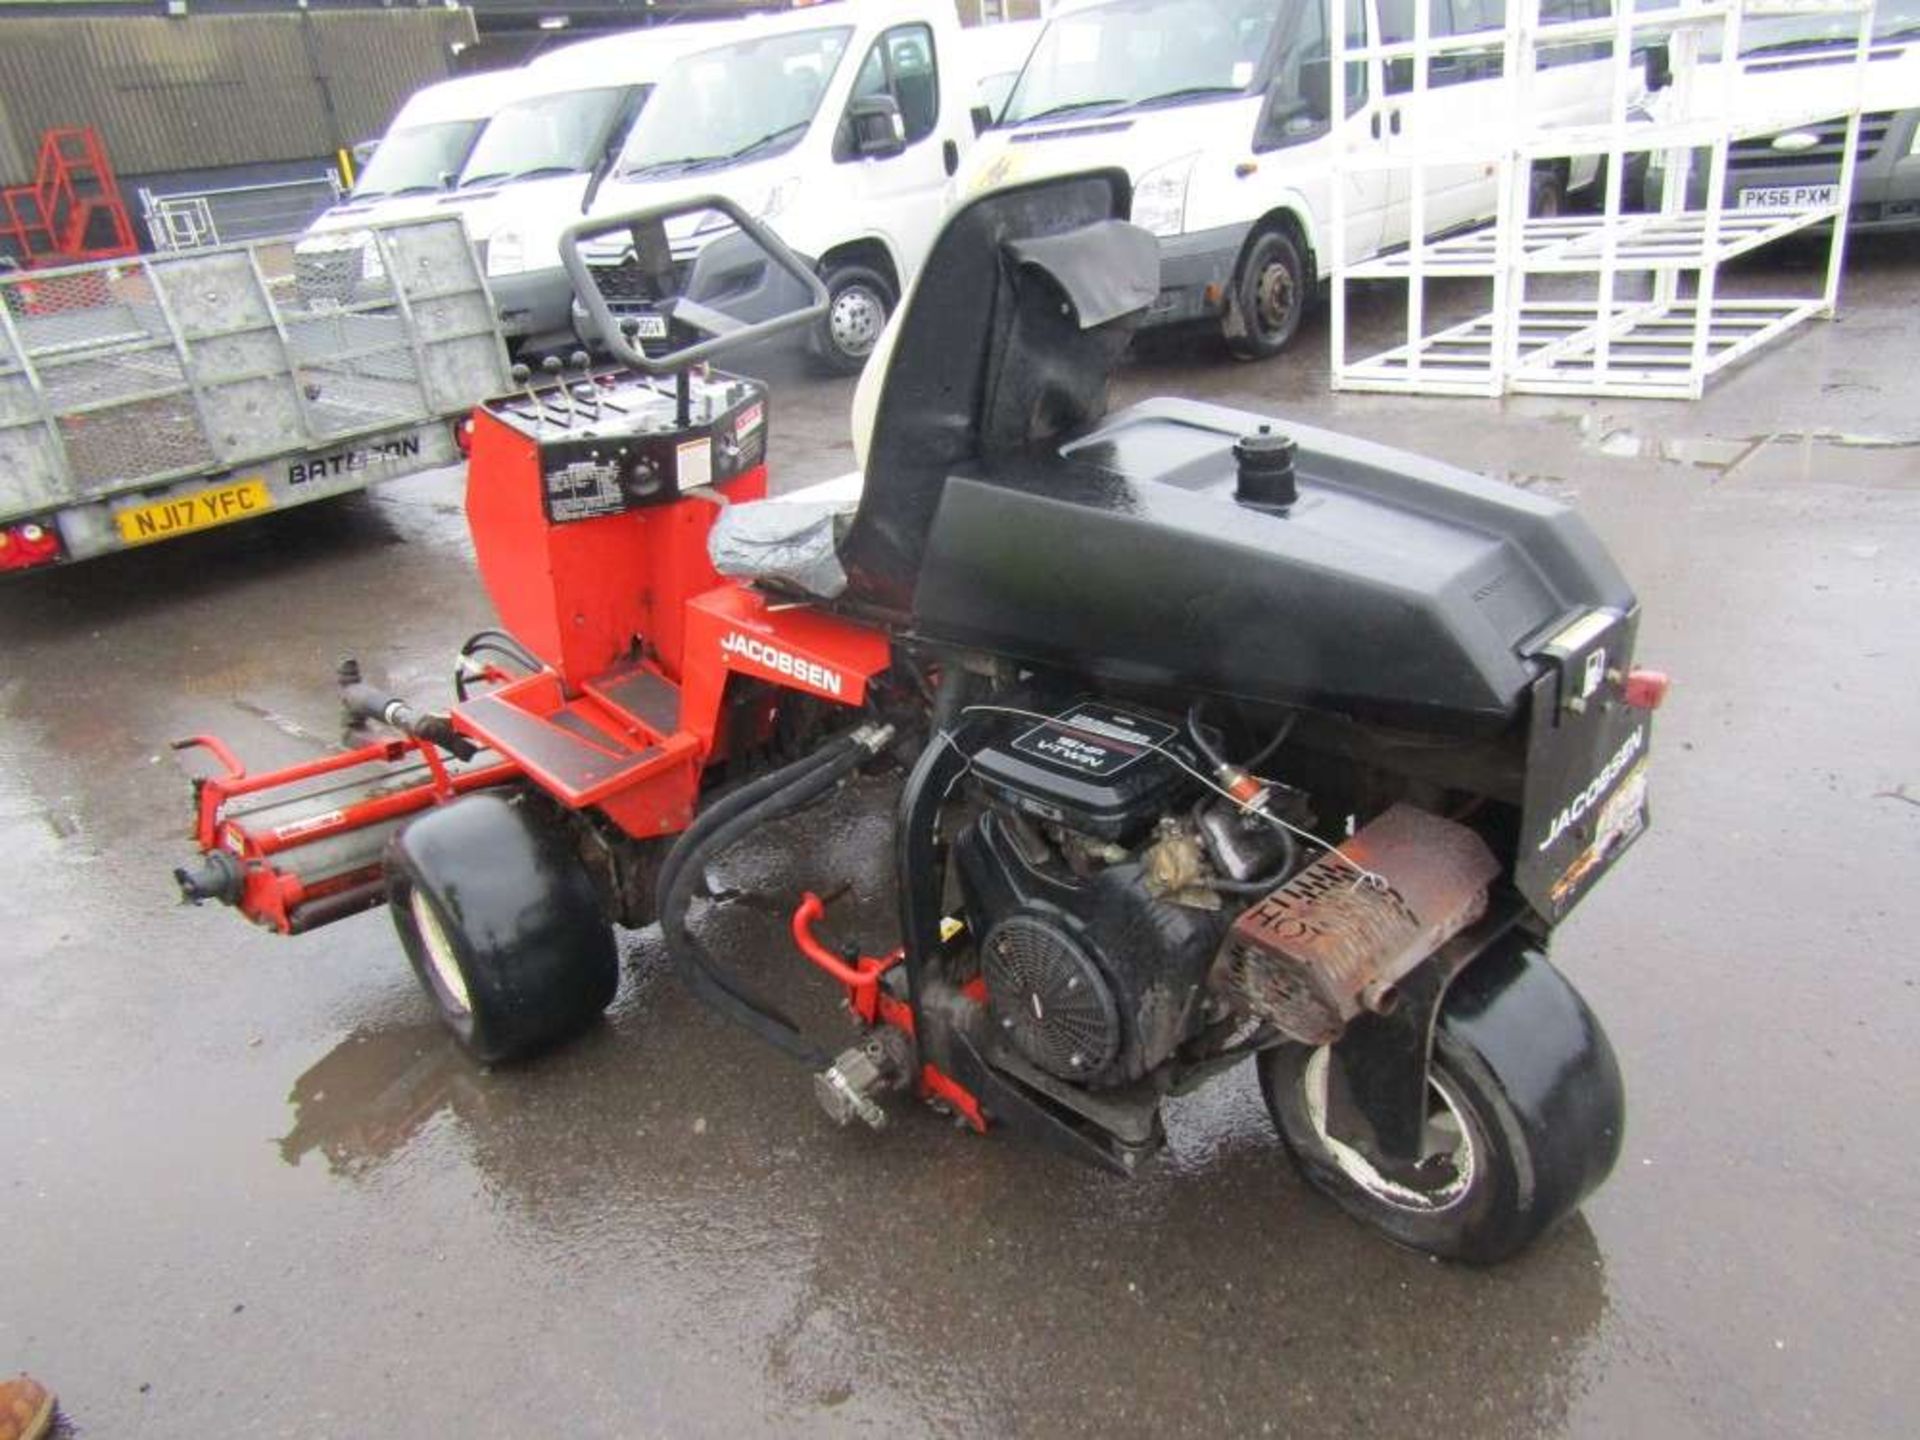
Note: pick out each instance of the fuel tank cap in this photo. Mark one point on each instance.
(1264, 464)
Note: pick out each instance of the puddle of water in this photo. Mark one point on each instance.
(1723, 455)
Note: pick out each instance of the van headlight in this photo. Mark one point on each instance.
(1160, 196)
(506, 252)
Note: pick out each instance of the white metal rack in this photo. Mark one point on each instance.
(1631, 303)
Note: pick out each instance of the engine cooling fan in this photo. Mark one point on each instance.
(1049, 998)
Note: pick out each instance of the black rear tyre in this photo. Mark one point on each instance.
(501, 925)
(1526, 1118)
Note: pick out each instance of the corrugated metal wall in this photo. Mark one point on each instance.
(210, 90)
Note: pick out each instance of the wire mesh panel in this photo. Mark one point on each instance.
(121, 375)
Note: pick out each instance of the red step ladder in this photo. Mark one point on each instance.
(72, 210)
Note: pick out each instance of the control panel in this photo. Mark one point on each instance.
(620, 441)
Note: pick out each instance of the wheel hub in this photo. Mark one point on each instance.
(1448, 1162)
(855, 320)
(1273, 298)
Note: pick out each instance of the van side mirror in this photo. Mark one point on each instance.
(878, 129)
(1659, 62)
(982, 116)
(1296, 107)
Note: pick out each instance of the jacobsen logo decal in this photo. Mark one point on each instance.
(1596, 787)
(783, 662)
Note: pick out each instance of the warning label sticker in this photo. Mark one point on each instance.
(1094, 740)
(696, 464)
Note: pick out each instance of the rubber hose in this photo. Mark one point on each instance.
(1213, 756)
(726, 994)
(734, 801)
(742, 813)
(501, 643)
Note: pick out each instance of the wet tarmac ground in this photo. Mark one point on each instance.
(248, 1188)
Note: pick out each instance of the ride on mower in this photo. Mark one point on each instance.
(1221, 738)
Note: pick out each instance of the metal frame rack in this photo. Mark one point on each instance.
(1597, 331)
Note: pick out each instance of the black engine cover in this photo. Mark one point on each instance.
(1152, 956)
(1397, 589)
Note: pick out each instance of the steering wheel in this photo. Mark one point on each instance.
(718, 332)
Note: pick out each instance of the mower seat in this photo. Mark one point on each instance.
(790, 541)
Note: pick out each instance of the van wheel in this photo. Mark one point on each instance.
(859, 301)
(502, 927)
(1269, 296)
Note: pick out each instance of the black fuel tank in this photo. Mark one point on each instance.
(1395, 588)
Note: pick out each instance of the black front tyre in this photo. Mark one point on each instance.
(502, 926)
(1270, 295)
(859, 301)
(1525, 1118)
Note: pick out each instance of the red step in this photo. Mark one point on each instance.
(620, 733)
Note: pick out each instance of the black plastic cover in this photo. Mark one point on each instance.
(1397, 589)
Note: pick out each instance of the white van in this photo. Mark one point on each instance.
(1805, 63)
(554, 126)
(1220, 112)
(415, 166)
(538, 163)
(427, 142)
(840, 125)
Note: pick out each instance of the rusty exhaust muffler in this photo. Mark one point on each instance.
(1333, 941)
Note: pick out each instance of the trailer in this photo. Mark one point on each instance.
(148, 398)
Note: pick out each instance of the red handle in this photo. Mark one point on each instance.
(235, 770)
(812, 907)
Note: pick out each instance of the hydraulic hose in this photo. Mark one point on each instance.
(737, 800)
(771, 798)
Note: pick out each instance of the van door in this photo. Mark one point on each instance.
(1465, 94)
(1297, 117)
(901, 194)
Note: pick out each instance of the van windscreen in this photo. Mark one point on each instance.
(741, 101)
(1134, 53)
(563, 134)
(417, 160)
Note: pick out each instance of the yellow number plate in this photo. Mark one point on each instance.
(165, 519)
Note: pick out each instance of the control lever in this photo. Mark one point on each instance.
(556, 373)
(583, 362)
(523, 377)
